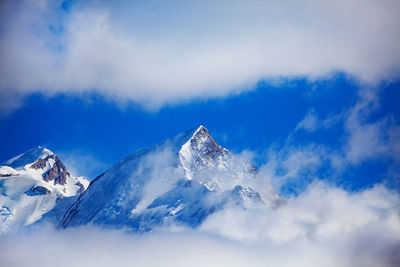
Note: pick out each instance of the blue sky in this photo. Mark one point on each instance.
(313, 90)
(92, 133)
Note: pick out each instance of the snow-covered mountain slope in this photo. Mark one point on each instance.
(31, 184)
(182, 180)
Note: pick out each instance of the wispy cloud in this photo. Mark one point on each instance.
(369, 138)
(365, 134)
(154, 53)
(82, 163)
(310, 122)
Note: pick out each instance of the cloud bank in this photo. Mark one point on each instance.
(324, 226)
(157, 53)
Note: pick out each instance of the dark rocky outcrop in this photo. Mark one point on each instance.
(38, 190)
(41, 163)
(81, 188)
(203, 144)
(58, 173)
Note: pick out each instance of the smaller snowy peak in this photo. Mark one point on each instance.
(32, 184)
(28, 157)
(43, 165)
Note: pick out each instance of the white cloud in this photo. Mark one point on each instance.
(325, 226)
(368, 134)
(157, 53)
(312, 122)
(320, 212)
(294, 165)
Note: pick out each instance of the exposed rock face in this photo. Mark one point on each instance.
(206, 149)
(58, 172)
(41, 163)
(203, 145)
(204, 160)
(38, 190)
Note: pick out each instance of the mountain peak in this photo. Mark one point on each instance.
(202, 136)
(201, 129)
(200, 146)
(205, 161)
(28, 157)
(195, 132)
(32, 184)
(151, 186)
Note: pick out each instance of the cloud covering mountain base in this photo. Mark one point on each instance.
(324, 226)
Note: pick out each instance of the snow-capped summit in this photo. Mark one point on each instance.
(28, 157)
(31, 184)
(204, 160)
(42, 164)
(179, 181)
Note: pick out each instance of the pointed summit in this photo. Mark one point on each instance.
(201, 130)
(202, 139)
(200, 152)
(202, 142)
(205, 161)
